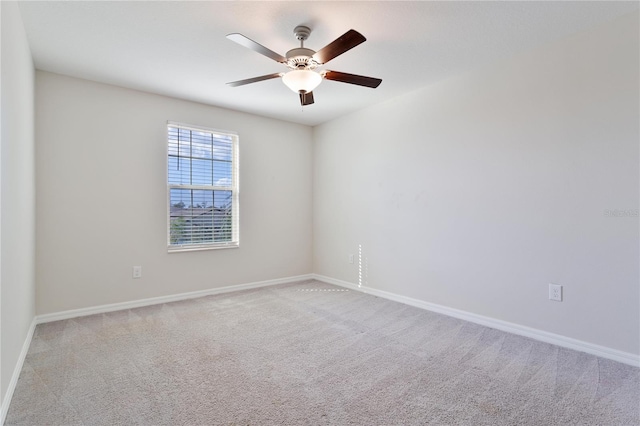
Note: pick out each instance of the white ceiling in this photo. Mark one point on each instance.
(179, 49)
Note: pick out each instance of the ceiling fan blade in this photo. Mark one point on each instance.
(360, 80)
(256, 47)
(254, 79)
(346, 41)
(306, 98)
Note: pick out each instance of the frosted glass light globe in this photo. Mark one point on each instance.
(302, 80)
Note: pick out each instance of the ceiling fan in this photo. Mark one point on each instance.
(302, 76)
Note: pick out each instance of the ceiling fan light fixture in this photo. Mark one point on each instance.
(302, 81)
(302, 62)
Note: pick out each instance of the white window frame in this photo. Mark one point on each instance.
(235, 185)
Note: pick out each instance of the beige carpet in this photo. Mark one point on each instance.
(308, 353)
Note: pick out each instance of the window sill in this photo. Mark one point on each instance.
(182, 249)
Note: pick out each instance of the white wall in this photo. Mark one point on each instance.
(101, 193)
(477, 192)
(17, 192)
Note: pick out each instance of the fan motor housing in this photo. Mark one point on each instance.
(300, 58)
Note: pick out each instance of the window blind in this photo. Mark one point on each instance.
(202, 188)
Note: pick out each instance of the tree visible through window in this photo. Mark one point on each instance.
(203, 188)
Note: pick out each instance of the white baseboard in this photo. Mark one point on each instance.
(57, 316)
(543, 336)
(16, 373)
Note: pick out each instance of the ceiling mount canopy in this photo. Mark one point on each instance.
(302, 62)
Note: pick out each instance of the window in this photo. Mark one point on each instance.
(202, 187)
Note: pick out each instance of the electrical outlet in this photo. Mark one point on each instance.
(137, 272)
(555, 292)
(350, 258)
